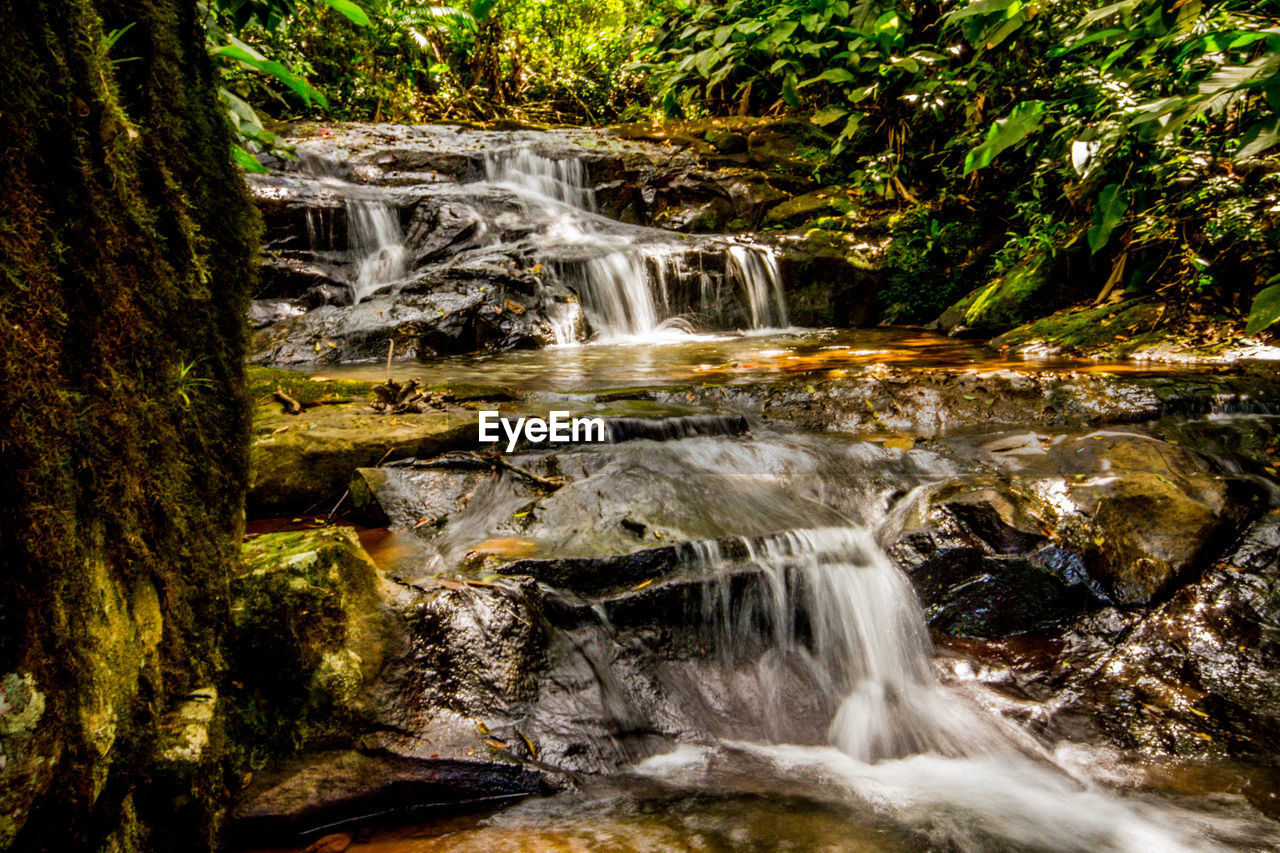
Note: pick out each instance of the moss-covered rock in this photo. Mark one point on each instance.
(300, 460)
(311, 628)
(829, 201)
(1014, 298)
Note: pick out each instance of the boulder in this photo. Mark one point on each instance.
(983, 562)
(1023, 293)
(1068, 525)
(829, 201)
(1141, 512)
(311, 623)
(375, 696)
(316, 794)
(1196, 677)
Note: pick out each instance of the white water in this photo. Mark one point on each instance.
(899, 741)
(376, 244)
(757, 271)
(624, 286)
(376, 250)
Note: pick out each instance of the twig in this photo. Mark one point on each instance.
(347, 492)
(291, 406)
(499, 462)
(391, 348)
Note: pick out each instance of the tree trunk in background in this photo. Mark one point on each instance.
(126, 240)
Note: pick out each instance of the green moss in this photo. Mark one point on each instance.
(125, 250)
(307, 616)
(263, 381)
(1003, 303)
(1112, 329)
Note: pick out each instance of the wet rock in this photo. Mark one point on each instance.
(399, 695)
(414, 497)
(1197, 676)
(884, 399)
(318, 793)
(473, 651)
(830, 281)
(439, 319)
(1142, 513)
(299, 461)
(984, 564)
(1120, 517)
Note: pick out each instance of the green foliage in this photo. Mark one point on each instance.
(1024, 120)
(1266, 308)
(1108, 214)
(933, 246)
(1116, 121)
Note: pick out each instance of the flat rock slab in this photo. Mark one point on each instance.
(299, 461)
(320, 793)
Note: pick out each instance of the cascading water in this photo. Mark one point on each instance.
(840, 628)
(564, 180)
(757, 271)
(376, 251)
(376, 243)
(623, 284)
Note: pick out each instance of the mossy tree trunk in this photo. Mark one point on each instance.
(126, 242)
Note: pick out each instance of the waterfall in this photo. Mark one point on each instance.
(756, 270)
(376, 250)
(624, 285)
(376, 244)
(563, 180)
(831, 605)
(830, 623)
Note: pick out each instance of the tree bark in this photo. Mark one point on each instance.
(126, 247)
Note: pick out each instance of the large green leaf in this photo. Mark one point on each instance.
(831, 75)
(247, 161)
(983, 7)
(1113, 201)
(353, 12)
(1024, 120)
(1265, 311)
(1106, 11)
(1258, 138)
(828, 115)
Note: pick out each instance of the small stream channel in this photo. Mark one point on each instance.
(738, 654)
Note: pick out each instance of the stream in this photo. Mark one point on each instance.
(730, 630)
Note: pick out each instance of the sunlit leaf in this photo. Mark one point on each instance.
(352, 11)
(247, 161)
(1265, 311)
(1113, 201)
(1024, 120)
